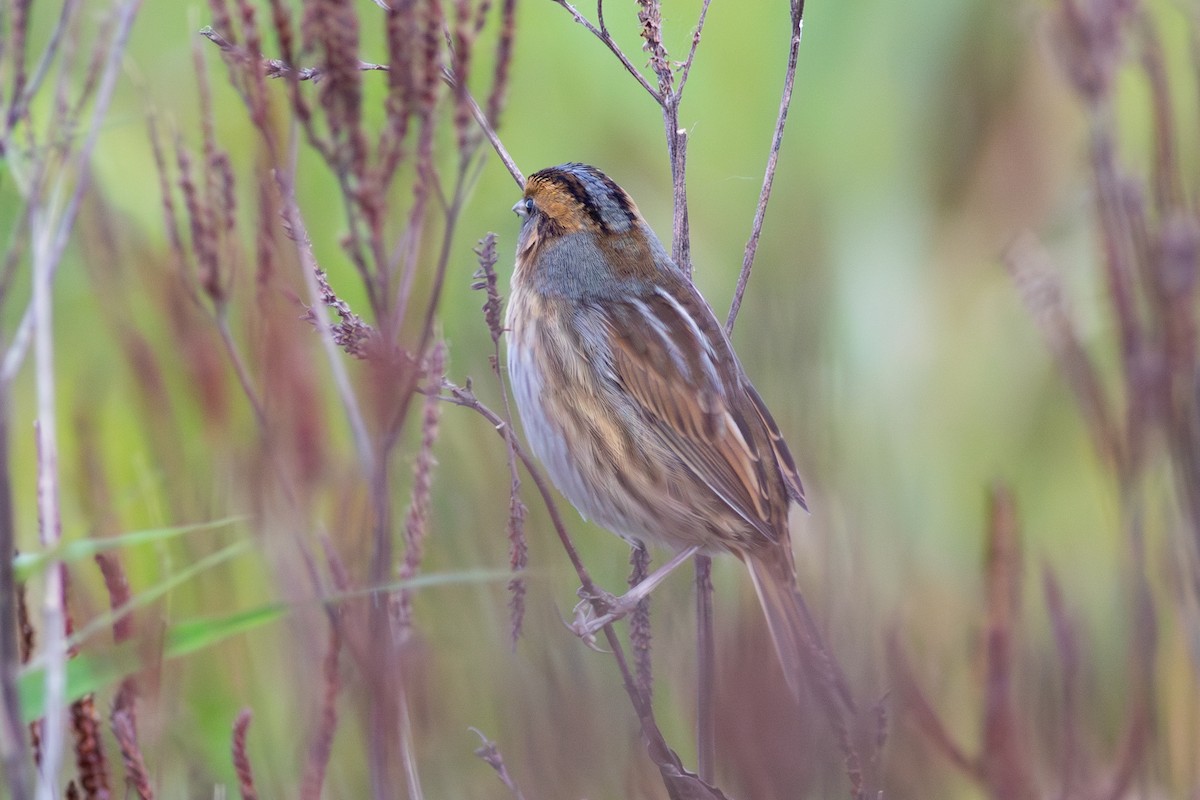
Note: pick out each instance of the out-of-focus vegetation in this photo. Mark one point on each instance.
(945, 250)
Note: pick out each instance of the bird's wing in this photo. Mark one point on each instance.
(783, 456)
(671, 357)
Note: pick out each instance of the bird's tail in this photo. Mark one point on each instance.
(801, 648)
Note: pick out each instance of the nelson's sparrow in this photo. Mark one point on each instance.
(632, 397)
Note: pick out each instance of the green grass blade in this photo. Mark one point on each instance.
(106, 619)
(196, 634)
(27, 564)
(86, 673)
(90, 672)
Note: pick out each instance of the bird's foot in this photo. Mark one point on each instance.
(598, 608)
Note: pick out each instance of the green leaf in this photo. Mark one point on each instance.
(27, 564)
(85, 673)
(429, 580)
(92, 671)
(197, 634)
(106, 619)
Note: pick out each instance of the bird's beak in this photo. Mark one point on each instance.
(519, 208)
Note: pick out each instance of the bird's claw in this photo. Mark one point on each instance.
(607, 600)
(587, 624)
(596, 609)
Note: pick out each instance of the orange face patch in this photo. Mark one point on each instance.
(553, 200)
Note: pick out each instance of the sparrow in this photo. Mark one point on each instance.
(632, 397)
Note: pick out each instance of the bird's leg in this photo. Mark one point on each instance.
(587, 624)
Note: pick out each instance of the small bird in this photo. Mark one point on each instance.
(632, 397)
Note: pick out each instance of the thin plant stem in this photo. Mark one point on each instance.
(443, 261)
(50, 226)
(681, 248)
(66, 221)
(687, 65)
(706, 658)
(408, 757)
(602, 35)
(239, 368)
(275, 68)
(284, 180)
(668, 96)
(13, 748)
(53, 614)
(785, 102)
(20, 104)
(490, 753)
(656, 745)
(489, 131)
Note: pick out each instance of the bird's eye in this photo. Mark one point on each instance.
(523, 208)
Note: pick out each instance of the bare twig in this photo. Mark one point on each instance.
(416, 521)
(407, 747)
(490, 132)
(487, 280)
(1143, 647)
(1120, 264)
(25, 647)
(322, 743)
(490, 753)
(53, 613)
(334, 129)
(706, 668)
(1168, 193)
(691, 56)
(681, 244)
(278, 68)
(240, 369)
(453, 210)
(602, 34)
(785, 102)
(464, 396)
(668, 95)
(1004, 756)
(680, 783)
(13, 747)
(504, 51)
(925, 717)
(20, 103)
(52, 204)
(639, 620)
(1002, 766)
(1068, 653)
(299, 234)
(1042, 293)
(55, 241)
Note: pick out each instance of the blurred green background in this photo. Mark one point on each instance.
(880, 326)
